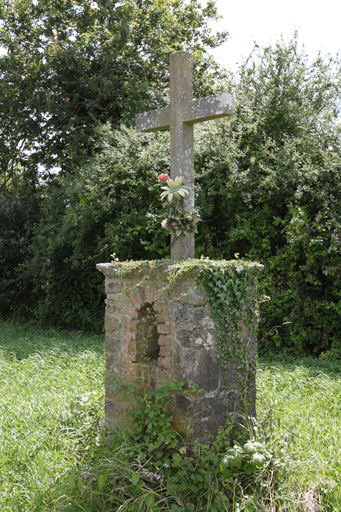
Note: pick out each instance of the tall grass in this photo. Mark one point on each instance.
(54, 454)
(51, 389)
(305, 400)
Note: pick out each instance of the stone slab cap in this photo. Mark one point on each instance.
(106, 268)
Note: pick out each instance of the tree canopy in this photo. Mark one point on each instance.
(71, 64)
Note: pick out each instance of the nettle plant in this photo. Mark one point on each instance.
(179, 221)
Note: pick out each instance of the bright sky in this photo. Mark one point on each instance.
(318, 25)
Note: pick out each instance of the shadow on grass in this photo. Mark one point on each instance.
(22, 340)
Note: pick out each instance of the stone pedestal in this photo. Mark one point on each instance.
(158, 330)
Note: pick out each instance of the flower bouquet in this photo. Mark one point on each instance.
(179, 222)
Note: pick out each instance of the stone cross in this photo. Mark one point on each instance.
(180, 116)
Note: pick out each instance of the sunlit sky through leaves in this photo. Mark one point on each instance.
(264, 21)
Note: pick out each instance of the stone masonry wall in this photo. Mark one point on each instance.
(156, 332)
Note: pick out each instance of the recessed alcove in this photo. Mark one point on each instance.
(148, 348)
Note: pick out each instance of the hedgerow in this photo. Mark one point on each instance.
(267, 189)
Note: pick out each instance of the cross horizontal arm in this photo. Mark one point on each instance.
(204, 109)
(153, 121)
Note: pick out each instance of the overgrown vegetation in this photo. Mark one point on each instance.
(267, 179)
(55, 454)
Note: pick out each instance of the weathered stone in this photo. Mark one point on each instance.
(114, 363)
(179, 117)
(193, 326)
(112, 322)
(114, 312)
(209, 412)
(179, 337)
(113, 286)
(186, 293)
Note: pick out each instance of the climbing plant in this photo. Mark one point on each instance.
(231, 294)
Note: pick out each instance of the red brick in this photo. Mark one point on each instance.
(135, 302)
(164, 329)
(129, 367)
(165, 351)
(126, 345)
(128, 356)
(131, 323)
(165, 340)
(132, 336)
(164, 362)
(133, 313)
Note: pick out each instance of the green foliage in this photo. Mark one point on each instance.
(69, 66)
(270, 465)
(111, 206)
(51, 410)
(181, 221)
(272, 195)
(18, 213)
(302, 397)
(267, 187)
(245, 459)
(150, 421)
(84, 62)
(169, 475)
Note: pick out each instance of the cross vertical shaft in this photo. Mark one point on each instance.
(181, 139)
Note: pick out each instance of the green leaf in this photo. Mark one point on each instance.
(258, 459)
(174, 189)
(249, 447)
(149, 500)
(101, 481)
(176, 458)
(71, 481)
(135, 477)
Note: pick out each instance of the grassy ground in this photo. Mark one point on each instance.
(305, 400)
(51, 387)
(51, 440)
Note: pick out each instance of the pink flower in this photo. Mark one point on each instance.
(164, 222)
(163, 177)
